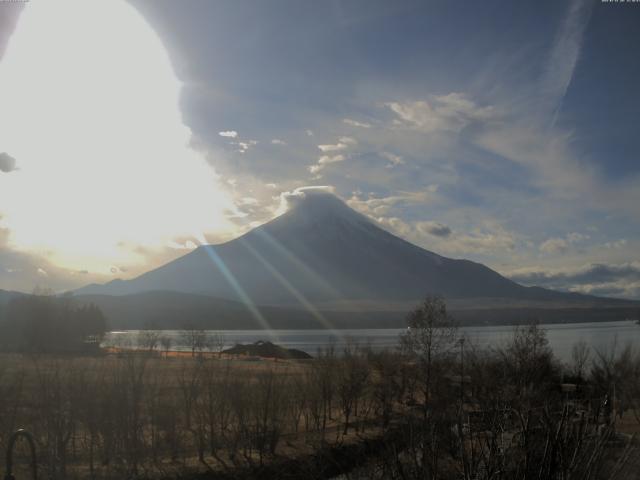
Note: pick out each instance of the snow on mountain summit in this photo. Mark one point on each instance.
(318, 205)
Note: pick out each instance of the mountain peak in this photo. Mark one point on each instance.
(318, 204)
(321, 251)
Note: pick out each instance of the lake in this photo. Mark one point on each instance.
(599, 335)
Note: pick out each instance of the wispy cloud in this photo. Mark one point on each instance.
(565, 54)
(616, 244)
(394, 160)
(356, 123)
(331, 156)
(489, 238)
(562, 244)
(342, 144)
(441, 113)
(436, 229)
(325, 160)
(381, 206)
(243, 147)
(622, 279)
(228, 134)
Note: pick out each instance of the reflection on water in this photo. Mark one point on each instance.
(561, 337)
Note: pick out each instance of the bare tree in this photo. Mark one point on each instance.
(612, 375)
(166, 341)
(528, 362)
(429, 338)
(215, 342)
(148, 340)
(580, 353)
(387, 384)
(196, 339)
(352, 380)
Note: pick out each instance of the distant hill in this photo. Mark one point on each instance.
(322, 253)
(175, 310)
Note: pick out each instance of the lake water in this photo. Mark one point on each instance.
(561, 337)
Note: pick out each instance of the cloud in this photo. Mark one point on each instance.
(325, 160)
(397, 226)
(530, 139)
(115, 269)
(564, 54)
(343, 144)
(591, 273)
(561, 245)
(616, 244)
(277, 141)
(486, 239)
(22, 271)
(490, 238)
(441, 113)
(434, 228)
(554, 245)
(243, 147)
(290, 199)
(7, 163)
(376, 207)
(621, 279)
(182, 245)
(355, 123)
(332, 157)
(394, 160)
(228, 134)
(630, 291)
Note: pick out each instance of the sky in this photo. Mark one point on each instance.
(502, 132)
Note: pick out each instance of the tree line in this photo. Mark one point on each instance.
(46, 323)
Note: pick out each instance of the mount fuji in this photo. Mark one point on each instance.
(322, 252)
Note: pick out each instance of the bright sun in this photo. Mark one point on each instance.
(89, 110)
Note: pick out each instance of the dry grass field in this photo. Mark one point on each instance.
(425, 412)
(134, 413)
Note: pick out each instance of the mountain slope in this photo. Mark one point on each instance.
(322, 251)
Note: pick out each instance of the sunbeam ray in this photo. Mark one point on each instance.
(291, 289)
(263, 234)
(246, 300)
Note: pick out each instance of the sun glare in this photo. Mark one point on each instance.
(89, 109)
